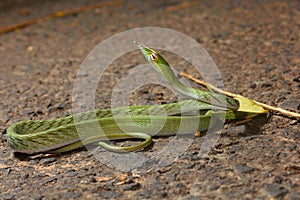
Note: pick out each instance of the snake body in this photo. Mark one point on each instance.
(185, 117)
(59, 135)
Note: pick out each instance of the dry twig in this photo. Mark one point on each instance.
(266, 106)
(58, 14)
(181, 6)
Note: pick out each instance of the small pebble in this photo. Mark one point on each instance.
(27, 112)
(46, 161)
(214, 187)
(243, 168)
(131, 186)
(25, 88)
(276, 190)
(293, 122)
(110, 194)
(50, 179)
(71, 174)
(266, 84)
(144, 193)
(8, 196)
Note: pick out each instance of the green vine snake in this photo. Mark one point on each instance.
(60, 135)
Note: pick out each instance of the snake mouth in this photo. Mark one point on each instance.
(146, 50)
(141, 46)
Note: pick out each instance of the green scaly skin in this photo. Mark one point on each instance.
(60, 135)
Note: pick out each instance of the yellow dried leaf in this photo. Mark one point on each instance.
(248, 105)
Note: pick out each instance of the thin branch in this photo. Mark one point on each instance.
(181, 6)
(58, 14)
(266, 106)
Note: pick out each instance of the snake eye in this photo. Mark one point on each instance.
(153, 56)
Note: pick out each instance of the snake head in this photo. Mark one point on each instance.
(154, 58)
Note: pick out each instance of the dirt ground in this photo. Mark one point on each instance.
(256, 46)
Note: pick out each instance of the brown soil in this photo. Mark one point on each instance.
(256, 46)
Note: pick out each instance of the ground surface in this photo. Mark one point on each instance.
(256, 46)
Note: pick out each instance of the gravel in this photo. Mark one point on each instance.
(255, 44)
